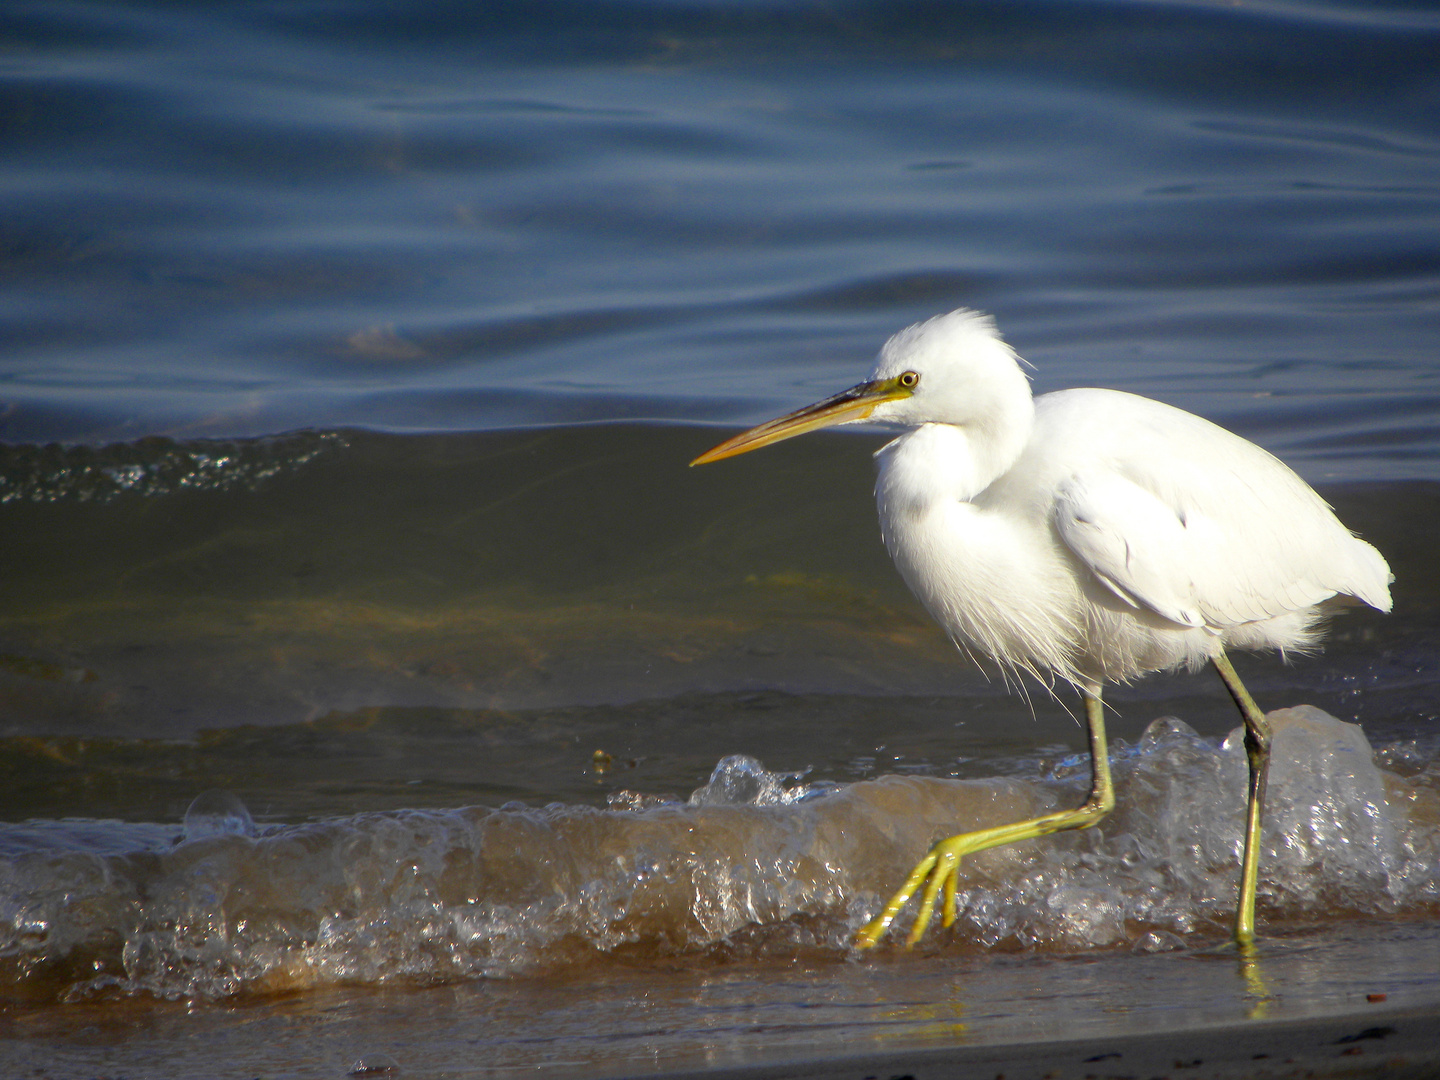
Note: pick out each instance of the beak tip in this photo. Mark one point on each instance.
(716, 453)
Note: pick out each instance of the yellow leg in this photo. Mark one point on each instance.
(938, 869)
(1257, 753)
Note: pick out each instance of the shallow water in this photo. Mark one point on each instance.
(367, 648)
(721, 1011)
(752, 865)
(462, 761)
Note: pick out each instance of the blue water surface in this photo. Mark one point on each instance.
(246, 218)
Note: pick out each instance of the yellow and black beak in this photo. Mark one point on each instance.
(857, 403)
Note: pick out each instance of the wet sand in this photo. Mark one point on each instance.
(1378, 1042)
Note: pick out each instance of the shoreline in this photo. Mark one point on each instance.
(1396, 1043)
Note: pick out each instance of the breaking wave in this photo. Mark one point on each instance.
(751, 863)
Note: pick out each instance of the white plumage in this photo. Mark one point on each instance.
(1094, 534)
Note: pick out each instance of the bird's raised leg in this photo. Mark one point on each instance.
(1257, 753)
(938, 869)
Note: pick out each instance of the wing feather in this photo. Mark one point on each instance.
(1200, 526)
(1131, 542)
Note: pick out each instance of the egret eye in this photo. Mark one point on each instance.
(909, 379)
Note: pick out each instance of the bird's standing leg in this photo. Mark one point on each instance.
(1257, 753)
(939, 868)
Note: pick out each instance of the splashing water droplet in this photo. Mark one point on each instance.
(739, 780)
(375, 1065)
(217, 813)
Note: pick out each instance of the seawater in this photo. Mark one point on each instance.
(378, 685)
(249, 219)
(749, 864)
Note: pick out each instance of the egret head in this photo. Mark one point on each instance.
(964, 371)
(952, 369)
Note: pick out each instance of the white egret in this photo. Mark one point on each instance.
(1086, 535)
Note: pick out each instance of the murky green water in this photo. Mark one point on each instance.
(460, 691)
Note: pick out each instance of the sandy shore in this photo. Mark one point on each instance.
(1394, 1044)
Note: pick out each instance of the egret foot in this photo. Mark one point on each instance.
(939, 869)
